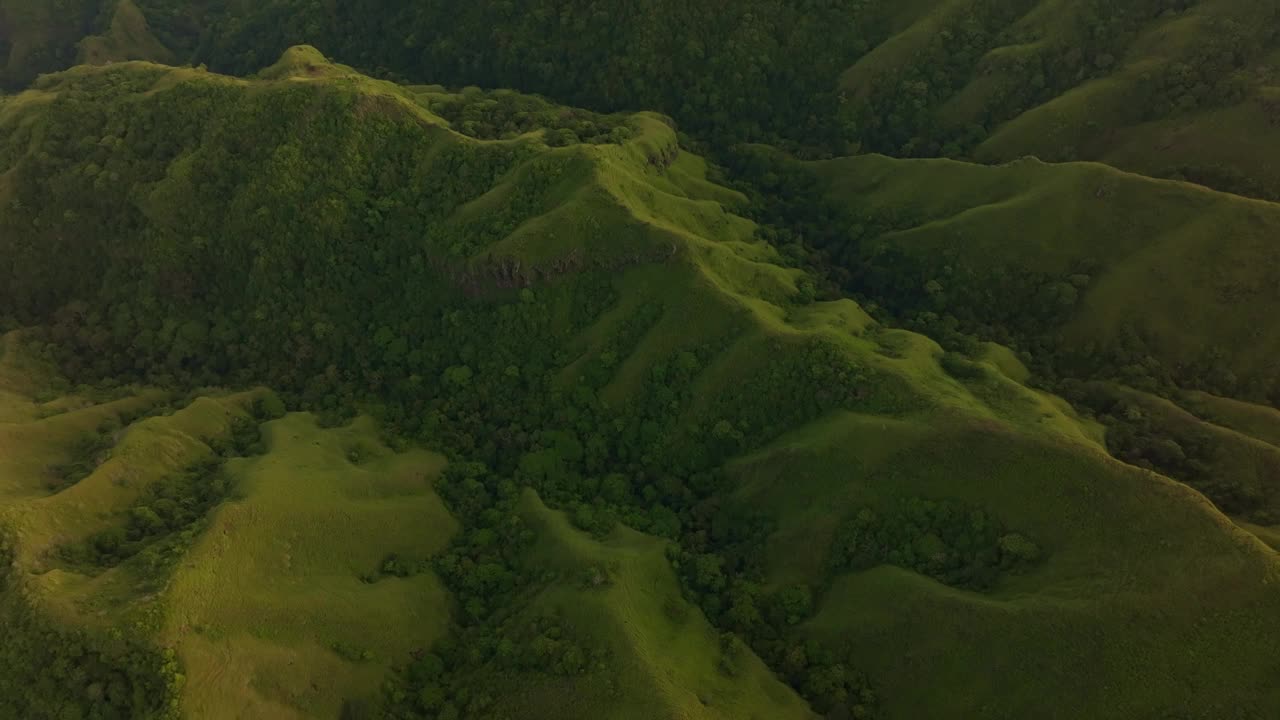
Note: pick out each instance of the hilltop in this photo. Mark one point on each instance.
(562, 408)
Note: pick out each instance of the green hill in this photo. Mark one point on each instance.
(1081, 257)
(1091, 273)
(1075, 616)
(1171, 89)
(572, 439)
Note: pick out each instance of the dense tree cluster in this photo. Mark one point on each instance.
(1187, 451)
(48, 671)
(719, 563)
(486, 569)
(899, 116)
(488, 376)
(1216, 72)
(705, 63)
(957, 545)
(505, 114)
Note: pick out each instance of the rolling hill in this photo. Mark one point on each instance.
(570, 438)
(1170, 89)
(1081, 252)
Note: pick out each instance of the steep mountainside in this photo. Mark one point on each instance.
(664, 478)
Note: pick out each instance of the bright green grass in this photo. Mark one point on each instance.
(663, 663)
(1149, 600)
(143, 453)
(258, 605)
(37, 433)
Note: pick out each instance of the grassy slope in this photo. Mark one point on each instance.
(1093, 105)
(539, 217)
(38, 36)
(1106, 111)
(1163, 265)
(1098, 119)
(1255, 421)
(39, 424)
(1251, 464)
(258, 606)
(1149, 601)
(1121, 539)
(662, 664)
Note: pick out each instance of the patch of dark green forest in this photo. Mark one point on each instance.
(48, 671)
(704, 63)
(505, 114)
(956, 545)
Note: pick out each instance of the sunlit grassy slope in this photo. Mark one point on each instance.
(664, 658)
(1147, 600)
(268, 612)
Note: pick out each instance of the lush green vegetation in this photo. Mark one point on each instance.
(169, 513)
(958, 546)
(674, 469)
(88, 452)
(52, 671)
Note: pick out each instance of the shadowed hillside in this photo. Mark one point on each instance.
(1079, 256)
(1172, 89)
(1166, 88)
